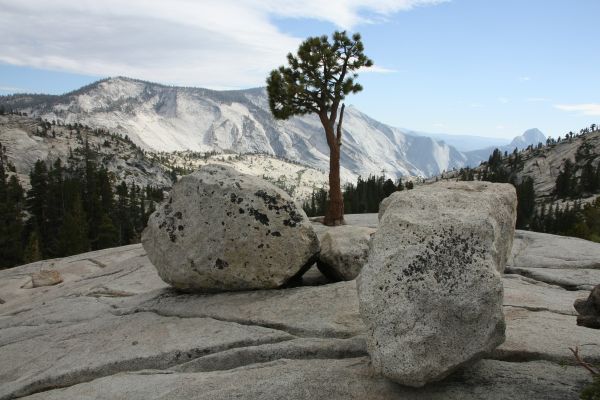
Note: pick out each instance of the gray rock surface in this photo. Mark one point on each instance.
(345, 379)
(223, 230)
(114, 330)
(542, 250)
(564, 261)
(534, 295)
(431, 294)
(344, 251)
(571, 279)
(589, 309)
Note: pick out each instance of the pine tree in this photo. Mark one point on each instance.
(37, 204)
(33, 250)
(526, 202)
(317, 80)
(11, 198)
(108, 235)
(73, 235)
(55, 208)
(564, 180)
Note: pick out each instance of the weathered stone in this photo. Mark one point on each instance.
(45, 278)
(571, 279)
(532, 295)
(430, 293)
(111, 344)
(542, 250)
(545, 335)
(223, 230)
(344, 251)
(115, 330)
(589, 309)
(317, 311)
(346, 379)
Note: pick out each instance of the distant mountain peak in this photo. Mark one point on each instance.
(531, 136)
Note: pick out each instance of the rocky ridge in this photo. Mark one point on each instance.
(24, 143)
(163, 118)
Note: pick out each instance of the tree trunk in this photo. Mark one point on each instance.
(335, 210)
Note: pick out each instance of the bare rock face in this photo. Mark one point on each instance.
(589, 309)
(431, 292)
(45, 278)
(344, 251)
(223, 230)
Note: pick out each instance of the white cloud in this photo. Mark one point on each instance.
(582, 109)
(524, 78)
(211, 43)
(503, 100)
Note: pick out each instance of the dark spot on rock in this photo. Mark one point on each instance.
(260, 217)
(275, 234)
(242, 211)
(178, 215)
(221, 264)
(180, 227)
(260, 246)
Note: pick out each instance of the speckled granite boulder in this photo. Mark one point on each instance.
(431, 292)
(223, 230)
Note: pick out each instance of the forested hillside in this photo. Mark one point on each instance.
(558, 183)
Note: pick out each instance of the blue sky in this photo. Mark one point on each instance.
(483, 67)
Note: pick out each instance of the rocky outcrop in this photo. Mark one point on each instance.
(589, 309)
(114, 330)
(564, 261)
(223, 230)
(344, 251)
(431, 293)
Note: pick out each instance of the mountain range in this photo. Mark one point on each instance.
(167, 119)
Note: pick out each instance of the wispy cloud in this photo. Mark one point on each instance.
(476, 105)
(503, 100)
(582, 109)
(211, 43)
(524, 78)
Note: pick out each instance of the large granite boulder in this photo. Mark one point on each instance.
(223, 230)
(431, 292)
(344, 251)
